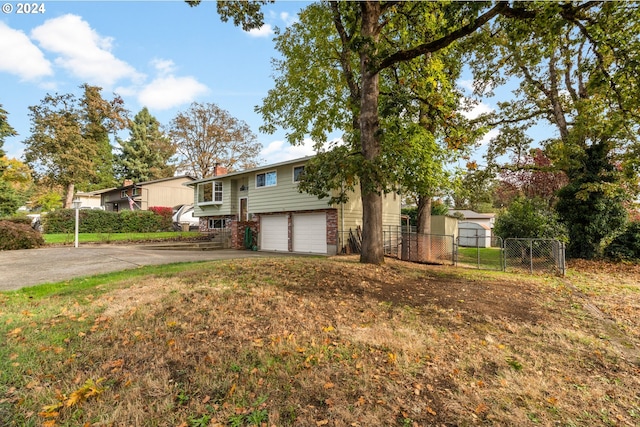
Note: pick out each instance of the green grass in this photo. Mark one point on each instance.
(68, 238)
(483, 257)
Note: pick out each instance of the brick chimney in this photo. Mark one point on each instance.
(219, 170)
(127, 182)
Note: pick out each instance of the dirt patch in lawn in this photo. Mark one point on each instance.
(430, 286)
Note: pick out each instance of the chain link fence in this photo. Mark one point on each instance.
(535, 255)
(404, 244)
(481, 252)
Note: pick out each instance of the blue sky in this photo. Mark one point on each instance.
(160, 54)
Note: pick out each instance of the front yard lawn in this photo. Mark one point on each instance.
(314, 341)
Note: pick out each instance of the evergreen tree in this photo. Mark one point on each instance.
(147, 154)
(592, 204)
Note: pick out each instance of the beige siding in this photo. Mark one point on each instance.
(445, 225)
(166, 193)
(350, 214)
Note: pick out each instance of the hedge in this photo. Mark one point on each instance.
(99, 221)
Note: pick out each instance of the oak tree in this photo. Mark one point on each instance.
(206, 136)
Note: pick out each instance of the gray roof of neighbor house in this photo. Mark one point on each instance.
(252, 170)
(469, 214)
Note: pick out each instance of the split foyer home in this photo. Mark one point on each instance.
(131, 195)
(266, 200)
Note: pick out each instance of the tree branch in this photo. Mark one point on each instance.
(501, 8)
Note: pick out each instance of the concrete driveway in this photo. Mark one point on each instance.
(54, 264)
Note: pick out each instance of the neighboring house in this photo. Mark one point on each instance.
(166, 192)
(475, 229)
(90, 199)
(267, 200)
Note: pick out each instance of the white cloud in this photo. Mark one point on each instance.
(477, 110)
(164, 66)
(281, 151)
(20, 56)
(82, 51)
(288, 19)
(466, 84)
(169, 91)
(265, 31)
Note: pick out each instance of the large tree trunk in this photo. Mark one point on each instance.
(372, 250)
(68, 200)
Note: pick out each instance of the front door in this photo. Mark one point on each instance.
(243, 209)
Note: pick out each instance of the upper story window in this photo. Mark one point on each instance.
(267, 179)
(298, 172)
(210, 193)
(123, 194)
(136, 191)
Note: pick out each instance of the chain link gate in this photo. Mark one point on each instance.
(480, 252)
(539, 255)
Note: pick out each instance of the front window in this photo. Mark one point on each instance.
(136, 191)
(298, 172)
(210, 193)
(267, 179)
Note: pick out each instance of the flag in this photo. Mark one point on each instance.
(131, 202)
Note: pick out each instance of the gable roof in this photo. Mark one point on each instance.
(247, 171)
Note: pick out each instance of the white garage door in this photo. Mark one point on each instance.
(310, 233)
(274, 233)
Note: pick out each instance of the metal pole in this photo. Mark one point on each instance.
(76, 231)
(531, 256)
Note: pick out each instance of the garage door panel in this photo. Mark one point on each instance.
(274, 233)
(310, 233)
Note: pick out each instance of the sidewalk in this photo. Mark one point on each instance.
(54, 264)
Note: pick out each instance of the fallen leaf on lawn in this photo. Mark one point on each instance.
(322, 423)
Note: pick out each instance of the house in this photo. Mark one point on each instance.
(167, 192)
(476, 228)
(266, 200)
(90, 199)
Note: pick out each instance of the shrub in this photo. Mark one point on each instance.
(528, 218)
(18, 236)
(19, 220)
(166, 213)
(626, 246)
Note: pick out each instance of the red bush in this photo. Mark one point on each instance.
(167, 215)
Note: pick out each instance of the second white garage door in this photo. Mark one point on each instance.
(274, 233)
(310, 233)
